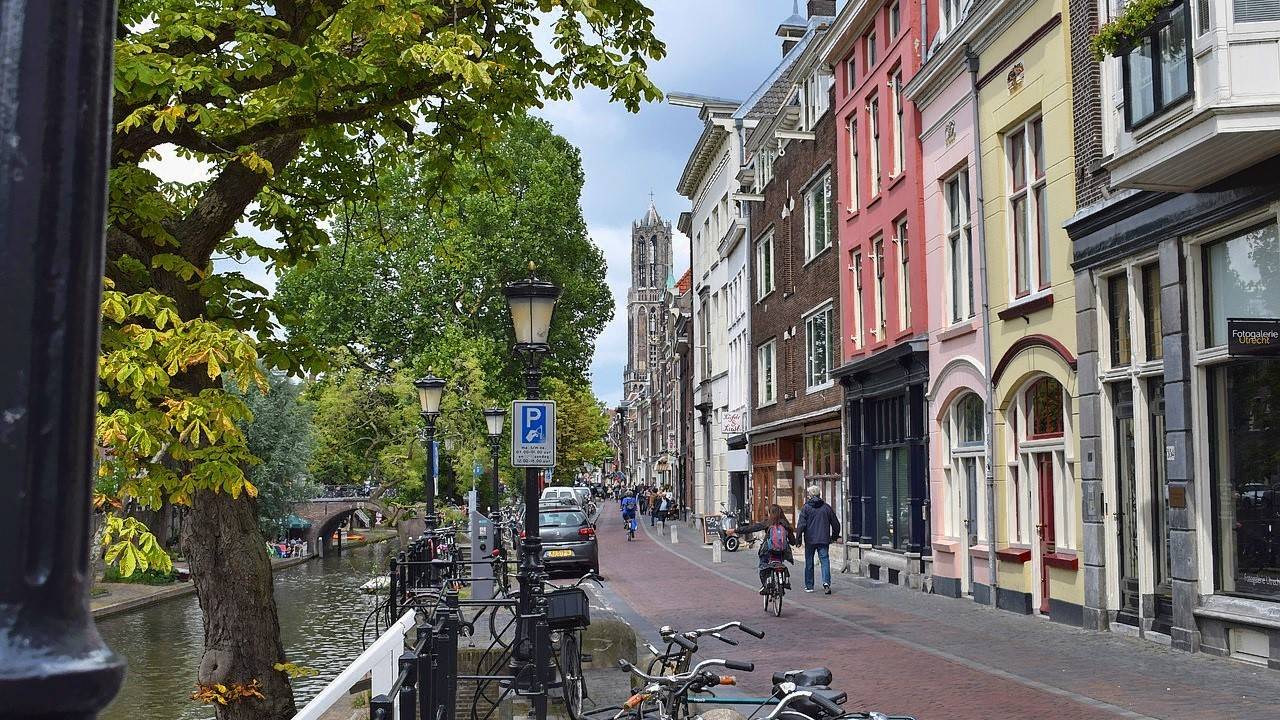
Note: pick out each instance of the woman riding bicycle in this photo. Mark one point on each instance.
(778, 532)
(629, 506)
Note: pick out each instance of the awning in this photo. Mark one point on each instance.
(294, 522)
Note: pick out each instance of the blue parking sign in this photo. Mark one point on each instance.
(533, 441)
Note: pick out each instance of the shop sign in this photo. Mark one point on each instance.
(1253, 336)
(732, 423)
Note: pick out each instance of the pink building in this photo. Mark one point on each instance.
(874, 48)
(957, 381)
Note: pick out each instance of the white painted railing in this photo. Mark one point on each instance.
(379, 661)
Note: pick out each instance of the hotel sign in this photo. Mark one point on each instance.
(1253, 336)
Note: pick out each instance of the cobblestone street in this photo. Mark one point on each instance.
(929, 656)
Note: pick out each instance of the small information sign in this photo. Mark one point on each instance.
(1253, 336)
(533, 434)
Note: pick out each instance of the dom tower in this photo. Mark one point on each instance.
(646, 325)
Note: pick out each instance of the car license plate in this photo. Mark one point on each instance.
(560, 553)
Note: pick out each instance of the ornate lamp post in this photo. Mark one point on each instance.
(494, 419)
(430, 392)
(532, 303)
(55, 68)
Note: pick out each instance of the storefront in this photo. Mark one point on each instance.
(1185, 424)
(886, 451)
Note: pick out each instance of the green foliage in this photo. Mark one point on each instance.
(280, 436)
(1120, 31)
(581, 425)
(130, 547)
(140, 577)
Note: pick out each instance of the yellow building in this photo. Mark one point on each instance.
(1023, 88)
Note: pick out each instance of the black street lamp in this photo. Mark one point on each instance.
(532, 303)
(494, 419)
(430, 392)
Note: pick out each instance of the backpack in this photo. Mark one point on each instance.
(628, 503)
(777, 539)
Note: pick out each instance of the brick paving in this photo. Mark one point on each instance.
(900, 651)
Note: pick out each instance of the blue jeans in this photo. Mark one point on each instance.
(821, 550)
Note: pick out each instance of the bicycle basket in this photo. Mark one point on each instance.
(568, 608)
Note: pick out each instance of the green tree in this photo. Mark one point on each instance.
(280, 436)
(581, 425)
(291, 106)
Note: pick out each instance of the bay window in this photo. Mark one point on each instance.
(1157, 67)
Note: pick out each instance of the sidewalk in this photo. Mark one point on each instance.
(931, 656)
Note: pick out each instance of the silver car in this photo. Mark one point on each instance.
(568, 539)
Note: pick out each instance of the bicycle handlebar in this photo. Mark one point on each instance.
(685, 676)
(829, 707)
(740, 665)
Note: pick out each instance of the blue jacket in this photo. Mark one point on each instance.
(817, 524)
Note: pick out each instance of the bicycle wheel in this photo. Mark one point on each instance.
(768, 592)
(777, 602)
(572, 683)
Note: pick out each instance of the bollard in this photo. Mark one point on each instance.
(673, 535)
(716, 550)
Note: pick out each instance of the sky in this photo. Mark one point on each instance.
(724, 48)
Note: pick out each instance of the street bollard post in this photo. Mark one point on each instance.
(674, 540)
(716, 551)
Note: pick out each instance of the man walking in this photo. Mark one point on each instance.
(818, 527)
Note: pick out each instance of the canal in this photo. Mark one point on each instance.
(321, 614)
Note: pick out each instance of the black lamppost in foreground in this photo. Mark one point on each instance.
(55, 69)
(494, 419)
(532, 303)
(430, 391)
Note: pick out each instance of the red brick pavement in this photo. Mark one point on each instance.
(897, 651)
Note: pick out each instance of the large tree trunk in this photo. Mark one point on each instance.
(232, 573)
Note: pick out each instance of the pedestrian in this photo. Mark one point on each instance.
(655, 498)
(818, 527)
(664, 505)
(771, 550)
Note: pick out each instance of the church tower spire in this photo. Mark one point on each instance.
(650, 270)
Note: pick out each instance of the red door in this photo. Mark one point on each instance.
(1044, 471)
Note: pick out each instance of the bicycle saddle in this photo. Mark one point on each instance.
(807, 677)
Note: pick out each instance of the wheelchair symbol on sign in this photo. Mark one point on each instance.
(533, 425)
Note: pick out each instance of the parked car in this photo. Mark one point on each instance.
(583, 494)
(562, 495)
(568, 539)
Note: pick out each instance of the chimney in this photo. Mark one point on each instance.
(822, 8)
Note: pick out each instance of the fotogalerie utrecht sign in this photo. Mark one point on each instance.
(1253, 336)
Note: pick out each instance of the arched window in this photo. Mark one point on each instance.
(1044, 406)
(966, 511)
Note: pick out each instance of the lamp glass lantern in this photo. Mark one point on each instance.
(495, 418)
(532, 303)
(430, 392)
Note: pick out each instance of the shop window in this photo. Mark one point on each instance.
(822, 457)
(1245, 476)
(1157, 70)
(959, 246)
(1152, 327)
(1044, 403)
(1242, 278)
(1118, 319)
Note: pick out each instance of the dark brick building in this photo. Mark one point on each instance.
(795, 293)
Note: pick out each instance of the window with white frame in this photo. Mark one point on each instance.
(904, 273)
(899, 146)
(764, 266)
(965, 432)
(817, 217)
(851, 72)
(853, 163)
(855, 267)
(870, 52)
(820, 346)
(877, 268)
(894, 20)
(873, 137)
(1028, 207)
(959, 247)
(951, 10)
(764, 171)
(766, 372)
(815, 98)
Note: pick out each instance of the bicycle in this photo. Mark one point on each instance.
(631, 528)
(775, 587)
(568, 614)
(673, 660)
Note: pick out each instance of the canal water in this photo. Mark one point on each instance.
(321, 615)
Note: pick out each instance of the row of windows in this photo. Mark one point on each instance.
(819, 234)
(872, 123)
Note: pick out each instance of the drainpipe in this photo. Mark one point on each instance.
(924, 31)
(972, 60)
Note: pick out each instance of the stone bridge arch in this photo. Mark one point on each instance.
(325, 514)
